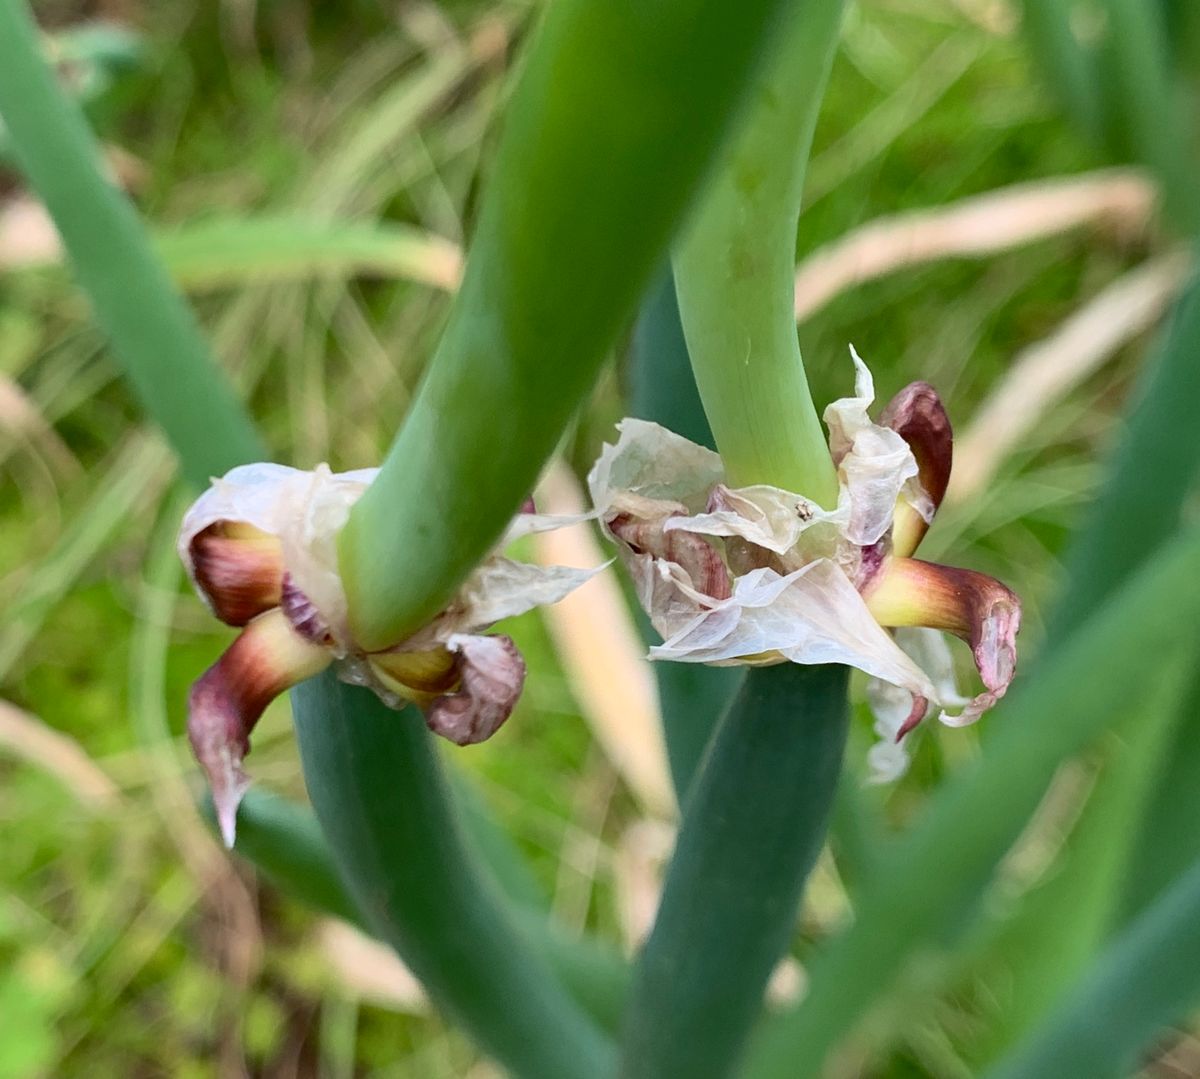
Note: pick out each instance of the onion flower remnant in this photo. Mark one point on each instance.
(758, 575)
(260, 546)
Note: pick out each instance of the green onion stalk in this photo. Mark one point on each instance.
(756, 816)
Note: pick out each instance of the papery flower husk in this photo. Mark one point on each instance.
(261, 548)
(796, 569)
(888, 759)
(491, 676)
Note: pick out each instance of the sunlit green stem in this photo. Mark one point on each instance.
(754, 823)
(153, 333)
(1148, 103)
(1069, 66)
(735, 269)
(1147, 979)
(399, 845)
(606, 140)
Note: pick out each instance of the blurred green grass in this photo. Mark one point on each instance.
(127, 943)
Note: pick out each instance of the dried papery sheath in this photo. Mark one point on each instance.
(260, 546)
(760, 575)
(888, 759)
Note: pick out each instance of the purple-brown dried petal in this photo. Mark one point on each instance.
(302, 613)
(491, 673)
(698, 558)
(916, 414)
(920, 705)
(973, 606)
(239, 569)
(267, 657)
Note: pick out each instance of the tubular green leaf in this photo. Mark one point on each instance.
(384, 807)
(1068, 65)
(735, 268)
(1153, 468)
(1148, 978)
(950, 854)
(1065, 920)
(1147, 101)
(153, 333)
(692, 697)
(284, 841)
(1168, 841)
(753, 827)
(618, 111)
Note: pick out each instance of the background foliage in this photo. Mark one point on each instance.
(128, 940)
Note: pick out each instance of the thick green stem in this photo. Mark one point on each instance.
(1148, 979)
(753, 827)
(284, 841)
(383, 804)
(944, 862)
(153, 333)
(1147, 101)
(607, 138)
(735, 269)
(1068, 65)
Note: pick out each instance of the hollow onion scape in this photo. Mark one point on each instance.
(759, 575)
(260, 548)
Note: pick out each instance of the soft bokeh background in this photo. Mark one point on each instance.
(129, 942)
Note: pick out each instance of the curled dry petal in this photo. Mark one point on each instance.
(916, 414)
(267, 657)
(674, 573)
(894, 708)
(813, 615)
(973, 606)
(306, 620)
(875, 465)
(767, 517)
(697, 558)
(238, 569)
(491, 673)
(261, 546)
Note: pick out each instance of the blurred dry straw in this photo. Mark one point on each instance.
(1118, 199)
(1047, 370)
(57, 754)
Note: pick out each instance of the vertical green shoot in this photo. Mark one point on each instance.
(606, 139)
(153, 333)
(735, 269)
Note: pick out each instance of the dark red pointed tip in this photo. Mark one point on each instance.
(917, 415)
(920, 706)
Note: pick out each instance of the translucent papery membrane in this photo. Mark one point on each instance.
(466, 683)
(671, 476)
(305, 511)
(891, 705)
(791, 567)
(812, 615)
